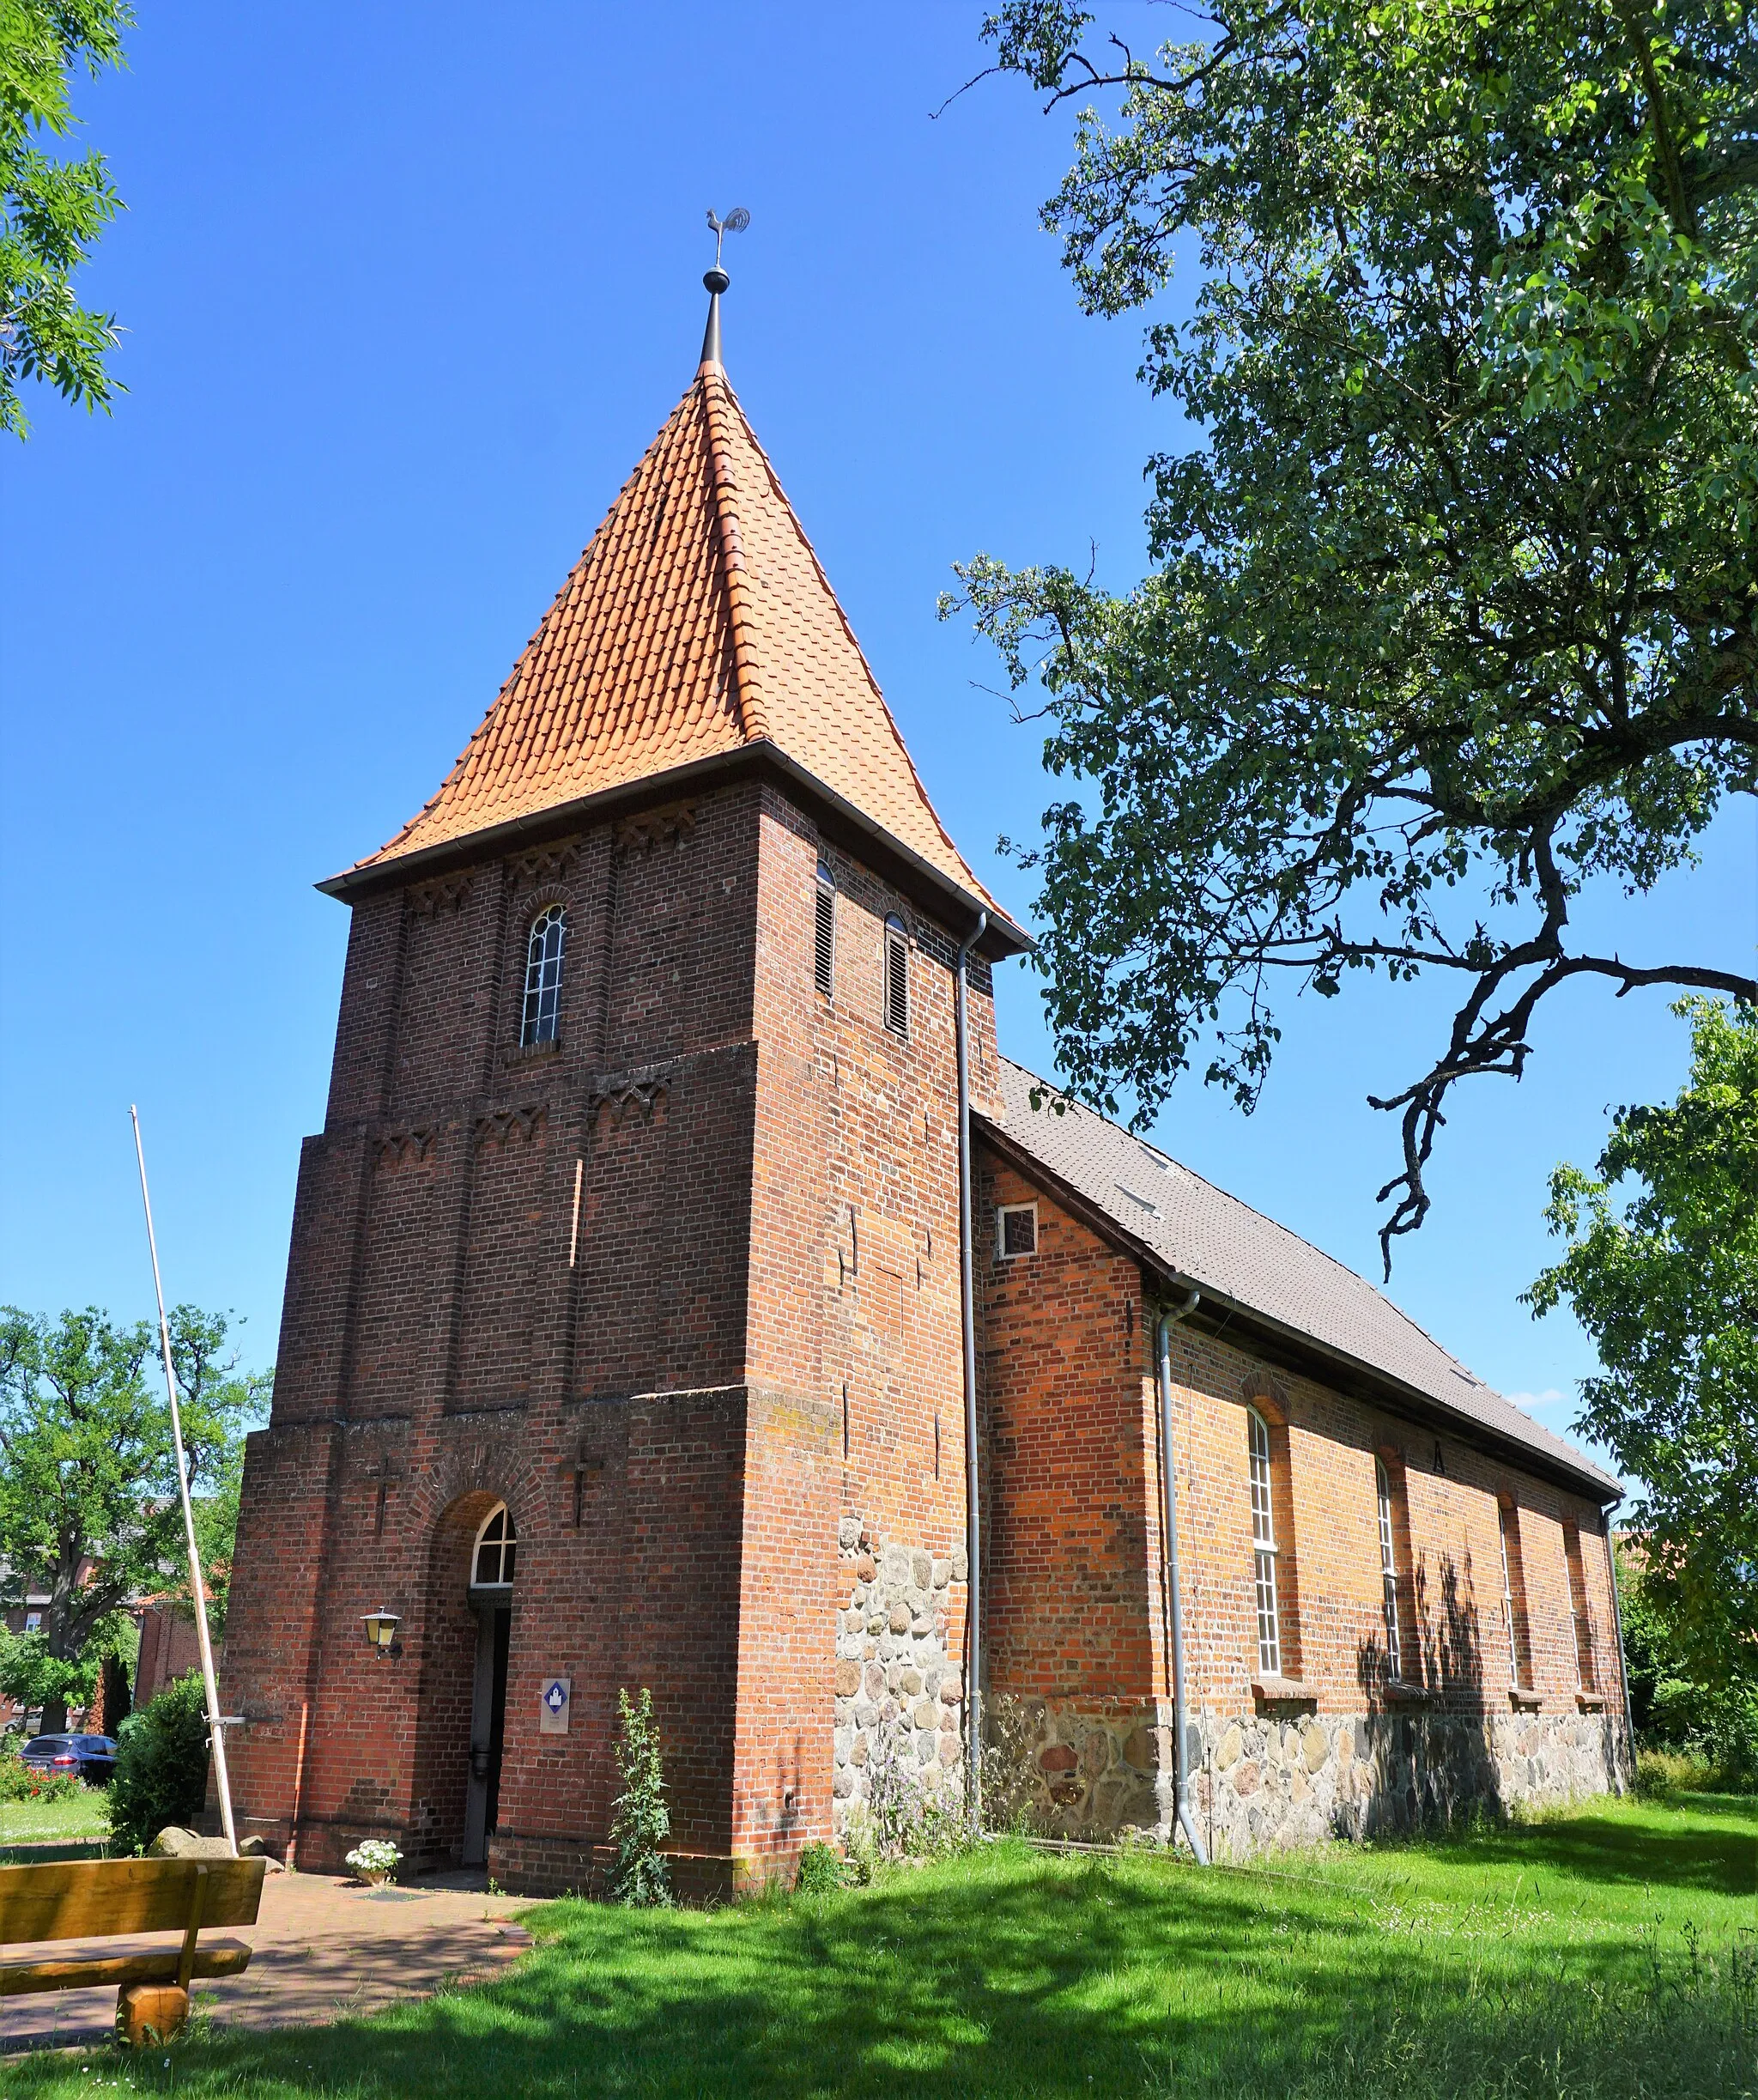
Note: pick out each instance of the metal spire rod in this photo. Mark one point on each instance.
(216, 1732)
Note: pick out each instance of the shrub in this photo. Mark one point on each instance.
(821, 1872)
(18, 1782)
(904, 1821)
(1011, 1774)
(643, 1823)
(162, 1766)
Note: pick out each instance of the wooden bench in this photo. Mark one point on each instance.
(110, 1899)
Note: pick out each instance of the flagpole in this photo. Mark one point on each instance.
(216, 1732)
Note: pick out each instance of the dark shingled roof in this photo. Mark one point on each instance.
(1236, 1256)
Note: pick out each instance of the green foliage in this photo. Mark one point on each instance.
(162, 1765)
(1455, 607)
(1662, 1272)
(18, 1782)
(821, 1871)
(643, 1822)
(1692, 1733)
(1592, 1957)
(89, 1511)
(53, 208)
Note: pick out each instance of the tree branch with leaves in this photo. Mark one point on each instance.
(1455, 602)
(52, 207)
(89, 1513)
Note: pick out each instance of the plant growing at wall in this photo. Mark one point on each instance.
(1662, 1271)
(641, 1876)
(162, 1766)
(1455, 603)
(88, 1506)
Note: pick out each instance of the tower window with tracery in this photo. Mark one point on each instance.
(544, 950)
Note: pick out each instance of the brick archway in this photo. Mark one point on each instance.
(440, 1767)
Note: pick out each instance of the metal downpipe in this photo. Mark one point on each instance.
(974, 1533)
(1168, 1520)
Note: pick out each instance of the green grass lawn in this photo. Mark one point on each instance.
(1610, 1952)
(41, 1822)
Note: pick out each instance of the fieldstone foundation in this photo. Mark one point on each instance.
(898, 1692)
(1268, 1779)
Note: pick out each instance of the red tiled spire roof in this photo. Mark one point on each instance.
(698, 621)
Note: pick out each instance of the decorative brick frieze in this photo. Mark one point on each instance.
(445, 894)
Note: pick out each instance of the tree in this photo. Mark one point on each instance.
(1667, 1286)
(51, 208)
(1455, 602)
(89, 1511)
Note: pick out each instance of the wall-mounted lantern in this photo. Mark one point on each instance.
(381, 1630)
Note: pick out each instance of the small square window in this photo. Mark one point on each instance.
(1016, 1231)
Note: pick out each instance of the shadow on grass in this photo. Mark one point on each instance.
(1012, 1974)
(1660, 1851)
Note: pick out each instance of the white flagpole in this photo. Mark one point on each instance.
(216, 1732)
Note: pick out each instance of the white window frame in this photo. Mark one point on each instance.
(1388, 1571)
(1502, 1514)
(1264, 1546)
(540, 1014)
(1586, 1663)
(1002, 1213)
(506, 1545)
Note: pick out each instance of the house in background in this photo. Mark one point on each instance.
(623, 1337)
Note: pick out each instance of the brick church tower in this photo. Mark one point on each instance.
(623, 1326)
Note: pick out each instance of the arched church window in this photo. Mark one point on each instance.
(1388, 1572)
(897, 977)
(492, 1566)
(543, 956)
(824, 932)
(1264, 1546)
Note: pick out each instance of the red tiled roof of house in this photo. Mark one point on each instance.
(697, 622)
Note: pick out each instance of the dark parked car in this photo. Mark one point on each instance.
(89, 1757)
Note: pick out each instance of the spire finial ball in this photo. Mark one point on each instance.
(716, 280)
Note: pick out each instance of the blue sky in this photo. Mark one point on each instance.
(407, 290)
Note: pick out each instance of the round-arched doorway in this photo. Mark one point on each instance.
(491, 1572)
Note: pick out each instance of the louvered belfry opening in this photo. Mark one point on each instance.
(824, 933)
(897, 977)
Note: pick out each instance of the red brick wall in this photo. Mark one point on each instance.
(1075, 1613)
(663, 1417)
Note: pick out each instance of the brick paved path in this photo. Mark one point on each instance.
(325, 1951)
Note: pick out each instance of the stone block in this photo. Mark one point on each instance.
(925, 1714)
(848, 1677)
(865, 1568)
(1230, 1744)
(1248, 1778)
(1057, 1757)
(1315, 1745)
(921, 1569)
(898, 1620)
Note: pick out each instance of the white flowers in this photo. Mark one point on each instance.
(374, 1860)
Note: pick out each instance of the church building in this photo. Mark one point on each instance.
(675, 1217)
